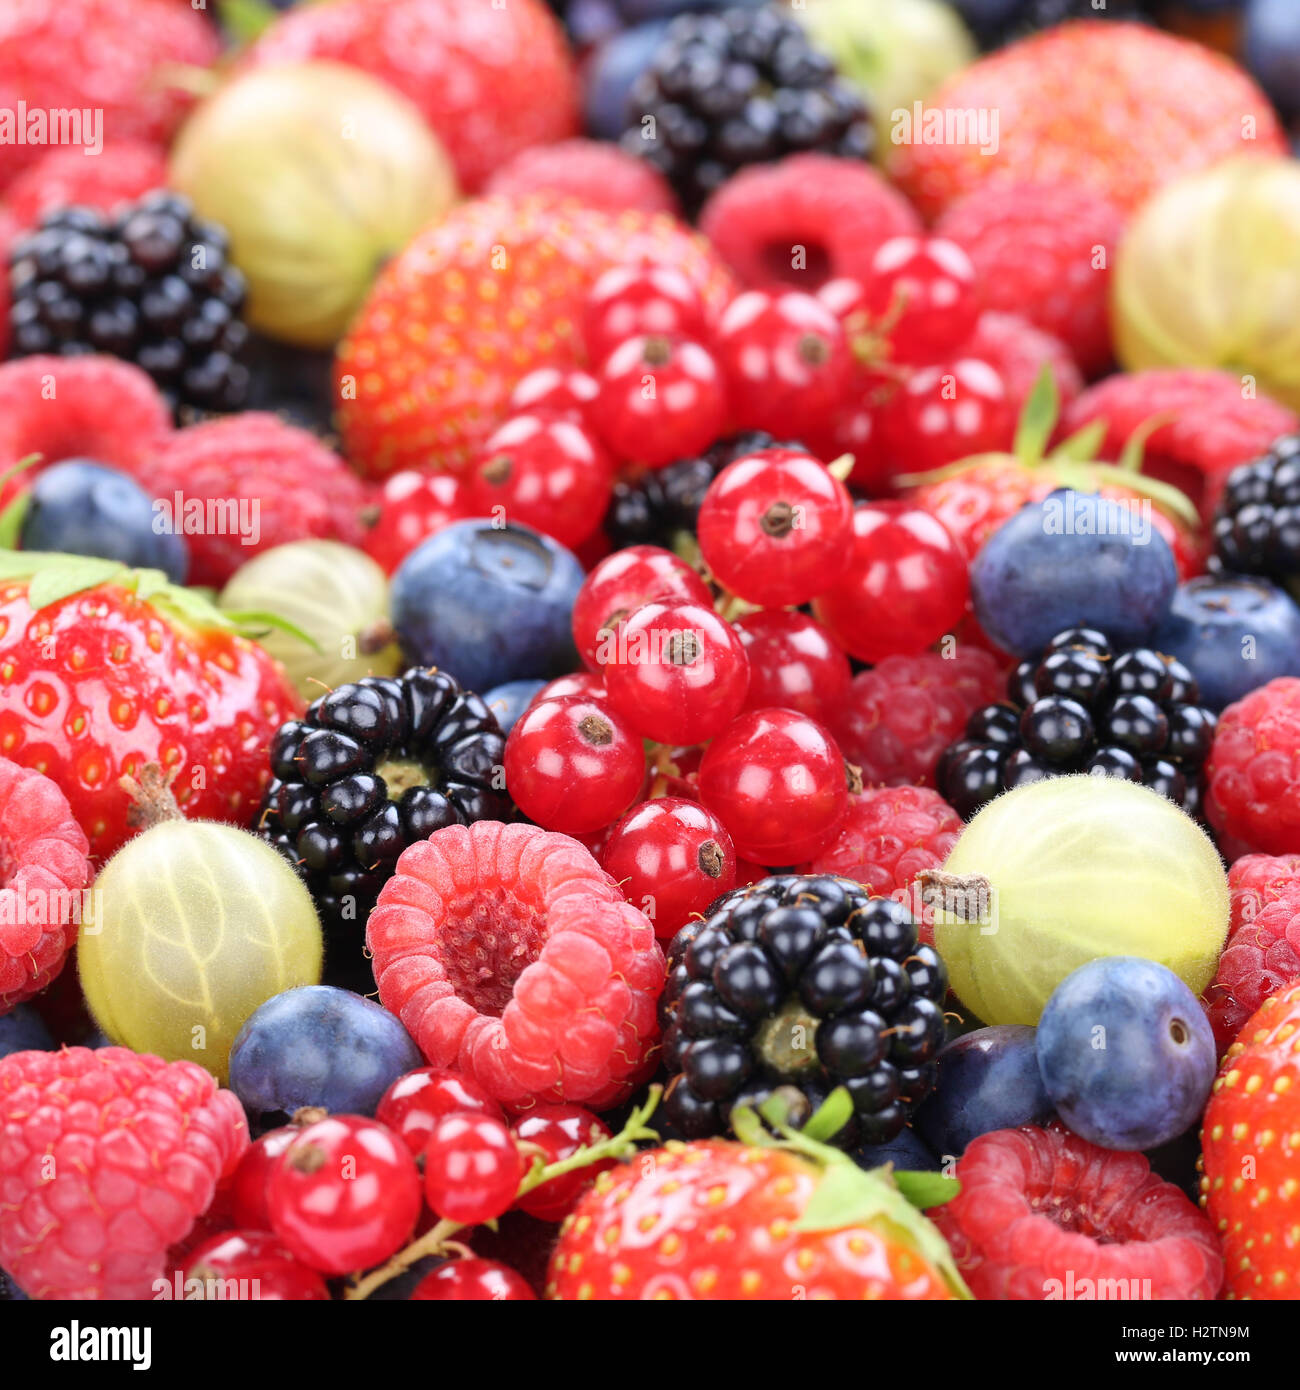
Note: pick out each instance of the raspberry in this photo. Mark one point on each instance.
(1017, 350)
(1215, 427)
(1253, 771)
(101, 408)
(1043, 1214)
(300, 487)
(836, 212)
(63, 178)
(510, 955)
(597, 174)
(43, 867)
(890, 835)
(1036, 248)
(1263, 950)
(899, 716)
(136, 1147)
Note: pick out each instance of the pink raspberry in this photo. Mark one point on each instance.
(107, 1159)
(1017, 350)
(899, 716)
(1043, 1214)
(595, 173)
(510, 955)
(122, 171)
(1253, 771)
(43, 868)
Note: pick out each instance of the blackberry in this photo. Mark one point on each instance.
(662, 507)
(998, 22)
(1257, 524)
(740, 87)
(370, 768)
(150, 284)
(1082, 706)
(801, 984)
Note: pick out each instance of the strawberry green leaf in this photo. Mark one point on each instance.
(831, 1115)
(256, 622)
(11, 521)
(926, 1190)
(1038, 419)
(1130, 459)
(244, 20)
(1082, 444)
(76, 574)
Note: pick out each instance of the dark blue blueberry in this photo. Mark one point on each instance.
(23, 1030)
(988, 1080)
(906, 1151)
(1271, 45)
(510, 700)
(1233, 634)
(610, 73)
(488, 604)
(82, 508)
(1126, 1053)
(9, 1291)
(318, 1045)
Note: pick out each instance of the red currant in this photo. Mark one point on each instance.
(344, 1195)
(472, 1169)
(672, 858)
(560, 1131)
(774, 527)
(845, 297)
(252, 1265)
(585, 683)
(554, 391)
(659, 400)
(548, 472)
(414, 1103)
(412, 507)
(907, 584)
(677, 673)
(248, 1186)
(794, 663)
(573, 764)
(641, 301)
(946, 412)
(786, 361)
(778, 782)
(924, 290)
(473, 1280)
(621, 583)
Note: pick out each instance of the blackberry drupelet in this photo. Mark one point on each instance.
(150, 284)
(371, 768)
(1257, 524)
(662, 506)
(1082, 706)
(801, 984)
(736, 88)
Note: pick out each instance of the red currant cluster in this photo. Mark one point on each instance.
(330, 1195)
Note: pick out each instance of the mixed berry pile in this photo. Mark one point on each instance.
(608, 679)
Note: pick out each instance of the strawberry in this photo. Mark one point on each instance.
(473, 304)
(1102, 103)
(104, 669)
(75, 55)
(489, 79)
(1250, 1140)
(718, 1220)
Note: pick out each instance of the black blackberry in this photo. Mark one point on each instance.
(1082, 706)
(663, 506)
(370, 768)
(801, 984)
(740, 87)
(997, 22)
(150, 283)
(1257, 524)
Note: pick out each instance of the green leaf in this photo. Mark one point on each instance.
(1038, 418)
(747, 1127)
(1130, 460)
(831, 1115)
(248, 620)
(1082, 444)
(76, 574)
(244, 20)
(11, 521)
(926, 1190)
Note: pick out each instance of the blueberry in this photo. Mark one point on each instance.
(488, 604)
(1271, 44)
(510, 700)
(610, 74)
(83, 508)
(9, 1290)
(1073, 559)
(23, 1030)
(1234, 634)
(988, 1080)
(905, 1151)
(1126, 1053)
(318, 1045)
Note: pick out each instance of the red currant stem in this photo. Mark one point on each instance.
(732, 606)
(840, 468)
(438, 1239)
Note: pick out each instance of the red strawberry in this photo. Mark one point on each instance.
(104, 669)
(289, 485)
(120, 173)
(1130, 109)
(1215, 425)
(1250, 1140)
(718, 1221)
(473, 304)
(81, 54)
(490, 79)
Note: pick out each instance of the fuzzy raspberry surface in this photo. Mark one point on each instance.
(1253, 771)
(594, 172)
(123, 171)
